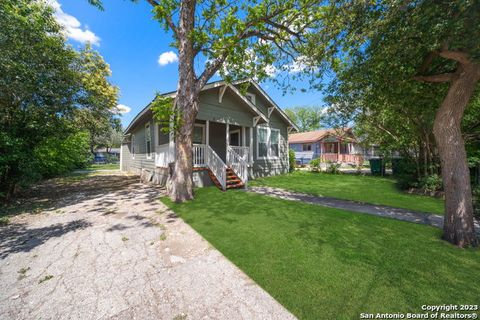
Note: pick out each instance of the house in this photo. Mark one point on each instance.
(335, 145)
(238, 135)
(104, 155)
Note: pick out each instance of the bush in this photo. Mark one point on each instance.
(59, 156)
(476, 202)
(333, 167)
(431, 183)
(315, 164)
(291, 160)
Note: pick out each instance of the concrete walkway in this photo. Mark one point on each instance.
(107, 248)
(376, 210)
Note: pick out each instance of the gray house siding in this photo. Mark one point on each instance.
(140, 160)
(231, 110)
(268, 167)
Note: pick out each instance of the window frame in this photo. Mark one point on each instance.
(306, 145)
(148, 139)
(269, 155)
(204, 136)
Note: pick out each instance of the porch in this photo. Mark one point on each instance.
(223, 149)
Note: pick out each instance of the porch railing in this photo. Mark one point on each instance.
(345, 158)
(199, 155)
(216, 165)
(243, 152)
(238, 164)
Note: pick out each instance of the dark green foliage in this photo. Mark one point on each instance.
(57, 156)
(476, 202)
(291, 160)
(315, 164)
(44, 87)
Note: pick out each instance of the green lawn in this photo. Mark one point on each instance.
(324, 263)
(369, 189)
(108, 166)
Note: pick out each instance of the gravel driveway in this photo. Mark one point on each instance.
(105, 247)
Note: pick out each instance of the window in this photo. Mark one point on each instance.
(268, 143)
(306, 147)
(163, 138)
(199, 134)
(250, 97)
(274, 143)
(148, 141)
(132, 146)
(262, 142)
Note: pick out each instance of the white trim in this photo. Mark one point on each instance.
(270, 110)
(244, 143)
(147, 155)
(207, 129)
(121, 157)
(268, 156)
(251, 96)
(239, 136)
(132, 146)
(227, 140)
(203, 126)
(221, 93)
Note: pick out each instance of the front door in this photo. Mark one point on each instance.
(235, 138)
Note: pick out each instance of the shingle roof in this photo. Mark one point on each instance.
(313, 136)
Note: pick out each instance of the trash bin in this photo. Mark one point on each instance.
(377, 167)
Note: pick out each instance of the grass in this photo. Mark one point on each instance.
(46, 278)
(108, 166)
(368, 189)
(325, 263)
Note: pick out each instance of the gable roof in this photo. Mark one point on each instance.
(314, 136)
(217, 84)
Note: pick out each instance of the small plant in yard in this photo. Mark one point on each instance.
(22, 273)
(110, 211)
(181, 316)
(4, 221)
(124, 239)
(46, 278)
(291, 160)
(315, 165)
(333, 168)
(476, 202)
(431, 183)
(163, 237)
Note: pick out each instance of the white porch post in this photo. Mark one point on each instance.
(227, 142)
(207, 134)
(251, 145)
(121, 156)
(244, 143)
(171, 142)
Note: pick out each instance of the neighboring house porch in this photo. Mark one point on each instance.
(329, 145)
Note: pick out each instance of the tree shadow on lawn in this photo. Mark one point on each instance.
(16, 238)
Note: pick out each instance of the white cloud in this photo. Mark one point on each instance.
(167, 57)
(122, 109)
(299, 65)
(73, 27)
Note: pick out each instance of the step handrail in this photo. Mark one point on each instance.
(238, 164)
(216, 166)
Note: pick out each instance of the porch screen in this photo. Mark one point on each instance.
(262, 142)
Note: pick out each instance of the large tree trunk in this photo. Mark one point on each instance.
(181, 188)
(458, 223)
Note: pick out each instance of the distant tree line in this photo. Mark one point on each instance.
(56, 103)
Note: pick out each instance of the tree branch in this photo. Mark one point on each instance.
(168, 19)
(444, 77)
(458, 56)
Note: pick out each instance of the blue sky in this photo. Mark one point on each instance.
(132, 42)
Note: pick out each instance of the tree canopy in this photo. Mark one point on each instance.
(306, 118)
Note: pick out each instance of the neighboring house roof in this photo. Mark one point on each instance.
(217, 84)
(314, 136)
